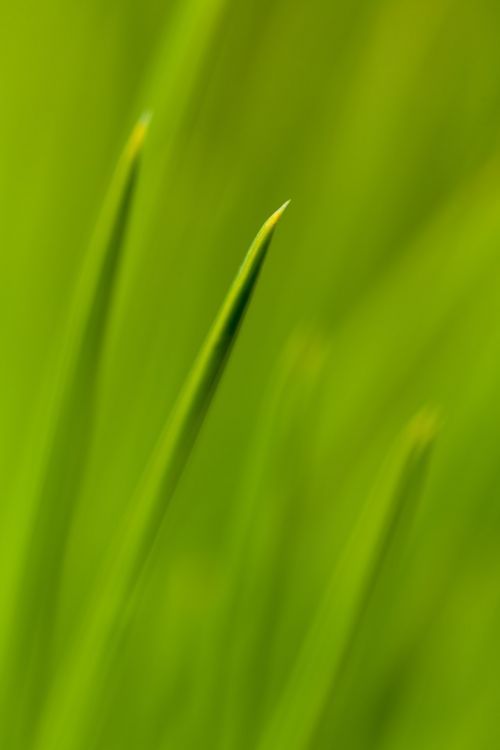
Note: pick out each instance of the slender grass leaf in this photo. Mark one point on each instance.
(280, 511)
(76, 693)
(330, 638)
(67, 436)
(263, 520)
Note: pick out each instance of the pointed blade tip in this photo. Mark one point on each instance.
(424, 427)
(139, 133)
(276, 216)
(281, 210)
(145, 118)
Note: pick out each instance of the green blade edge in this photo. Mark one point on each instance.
(75, 694)
(330, 637)
(67, 430)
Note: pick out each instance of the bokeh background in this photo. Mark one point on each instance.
(380, 120)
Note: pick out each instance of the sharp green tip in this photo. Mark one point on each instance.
(276, 216)
(282, 208)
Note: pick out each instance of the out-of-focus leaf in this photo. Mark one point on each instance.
(335, 625)
(66, 443)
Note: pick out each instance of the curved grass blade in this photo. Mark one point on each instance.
(76, 693)
(330, 638)
(66, 440)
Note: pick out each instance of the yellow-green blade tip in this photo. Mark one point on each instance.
(146, 117)
(276, 216)
(138, 135)
(424, 427)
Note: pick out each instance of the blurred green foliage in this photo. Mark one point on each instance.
(379, 118)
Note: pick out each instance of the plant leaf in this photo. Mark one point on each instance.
(266, 517)
(335, 625)
(67, 435)
(78, 689)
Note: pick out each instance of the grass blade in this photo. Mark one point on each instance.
(67, 435)
(265, 521)
(76, 693)
(331, 634)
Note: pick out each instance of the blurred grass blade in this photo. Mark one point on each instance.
(330, 637)
(77, 692)
(279, 524)
(67, 434)
(267, 513)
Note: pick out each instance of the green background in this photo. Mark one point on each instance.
(379, 119)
